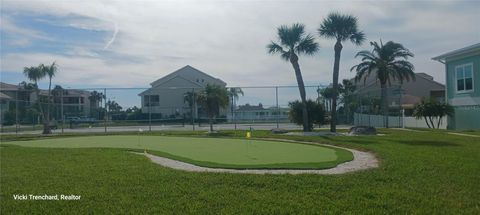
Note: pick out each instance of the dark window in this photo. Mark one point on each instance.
(151, 100)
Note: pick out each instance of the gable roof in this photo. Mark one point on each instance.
(455, 53)
(176, 73)
(371, 80)
(172, 78)
(4, 96)
(8, 87)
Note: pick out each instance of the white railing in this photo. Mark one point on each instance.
(394, 121)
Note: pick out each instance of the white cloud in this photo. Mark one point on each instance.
(227, 38)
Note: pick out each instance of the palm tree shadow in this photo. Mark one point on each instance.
(426, 143)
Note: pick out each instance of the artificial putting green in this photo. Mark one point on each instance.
(211, 152)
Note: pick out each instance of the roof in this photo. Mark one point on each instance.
(69, 92)
(371, 80)
(4, 96)
(8, 87)
(410, 99)
(173, 74)
(462, 51)
(248, 107)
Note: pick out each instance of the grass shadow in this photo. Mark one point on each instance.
(426, 143)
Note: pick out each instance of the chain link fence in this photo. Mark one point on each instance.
(149, 109)
(175, 108)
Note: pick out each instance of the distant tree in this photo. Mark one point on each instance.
(342, 28)
(316, 113)
(431, 109)
(35, 74)
(387, 61)
(56, 100)
(28, 86)
(293, 42)
(95, 98)
(327, 96)
(234, 93)
(113, 107)
(212, 98)
(50, 71)
(347, 98)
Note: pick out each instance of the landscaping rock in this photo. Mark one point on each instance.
(362, 130)
(279, 131)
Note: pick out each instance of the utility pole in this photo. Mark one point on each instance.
(278, 108)
(105, 111)
(61, 108)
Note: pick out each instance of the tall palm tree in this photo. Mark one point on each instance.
(293, 41)
(340, 27)
(212, 98)
(387, 61)
(35, 74)
(234, 93)
(50, 72)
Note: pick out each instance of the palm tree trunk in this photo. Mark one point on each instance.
(431, 121)
(426, 121)
(301, 87)
(384, 104)
(46, 121)
(336, 67)
(37, 93)
(210, 120)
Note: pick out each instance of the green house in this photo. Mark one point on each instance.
(462, 70)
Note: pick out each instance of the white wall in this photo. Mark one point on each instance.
(420, 123)
(393, 121)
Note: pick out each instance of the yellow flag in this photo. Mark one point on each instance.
(249, 134)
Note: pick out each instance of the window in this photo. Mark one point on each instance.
(464, 77)
(151, 100)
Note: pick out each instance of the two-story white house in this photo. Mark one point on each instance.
(167, 94)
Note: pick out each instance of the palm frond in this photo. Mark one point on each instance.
(341, 27)
(307, 45)
(290, 36)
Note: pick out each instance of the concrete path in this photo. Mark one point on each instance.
(361, 161)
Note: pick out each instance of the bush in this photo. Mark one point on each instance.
(431, 109)
(316, 113)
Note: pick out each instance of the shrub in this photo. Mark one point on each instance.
(316, 113)
(431, 109)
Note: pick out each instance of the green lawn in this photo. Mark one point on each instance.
(420, 173)
(211, 152)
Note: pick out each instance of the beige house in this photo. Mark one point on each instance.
(76, 103)
(166, 95)
(407, 93)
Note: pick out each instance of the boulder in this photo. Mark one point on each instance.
(362, 130)
(279, 131)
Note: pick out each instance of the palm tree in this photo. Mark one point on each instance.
(431, 108)
(57, 100)
(49, 71)
(293, 42)
(95, 98)
(346, 92)
(327, 95)
(35, 74)
(189, 98)
(389, 61)
(341, 28)
(234, 93)
(212, 98)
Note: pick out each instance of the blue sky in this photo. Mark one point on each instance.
(131, 44)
